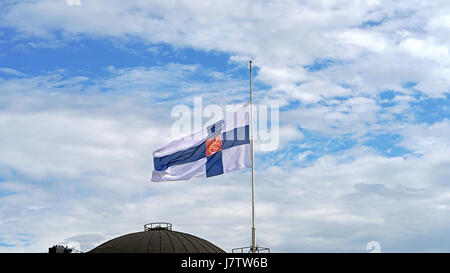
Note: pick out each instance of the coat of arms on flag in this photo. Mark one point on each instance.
(220, 148)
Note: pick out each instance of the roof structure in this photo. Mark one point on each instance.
(157, 238)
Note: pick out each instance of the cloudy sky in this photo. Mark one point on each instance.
(86, 91)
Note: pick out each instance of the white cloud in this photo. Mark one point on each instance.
(354, 116)
(426, 49)
(83, 160)
(280, 37)
(364, 39)
(334, 205)
(36, 145)
(10, 71)
(423, 138)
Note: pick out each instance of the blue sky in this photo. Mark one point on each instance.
(363, 89)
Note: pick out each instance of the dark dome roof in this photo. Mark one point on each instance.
(157, 240)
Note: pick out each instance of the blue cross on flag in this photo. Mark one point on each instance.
(220, 148)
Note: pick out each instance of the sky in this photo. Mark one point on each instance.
(87, 88)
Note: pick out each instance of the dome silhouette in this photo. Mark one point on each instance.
(157, 238)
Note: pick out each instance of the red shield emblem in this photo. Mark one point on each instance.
(213, 145)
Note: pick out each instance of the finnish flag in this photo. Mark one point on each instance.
(220, 148)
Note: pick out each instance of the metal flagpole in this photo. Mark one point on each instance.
(253, 248)
(253, 160)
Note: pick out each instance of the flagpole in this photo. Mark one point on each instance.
(253, 160)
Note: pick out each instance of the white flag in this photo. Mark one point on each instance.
(220, 148)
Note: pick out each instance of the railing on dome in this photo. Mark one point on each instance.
(157, 225)
(248, 249)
